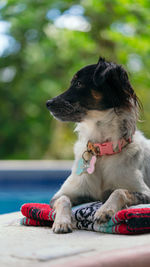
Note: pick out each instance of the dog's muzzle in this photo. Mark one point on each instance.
(65, 111)
(57, 105)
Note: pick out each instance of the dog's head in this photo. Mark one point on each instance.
(95, 87)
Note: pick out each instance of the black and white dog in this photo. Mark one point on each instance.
(112, 158)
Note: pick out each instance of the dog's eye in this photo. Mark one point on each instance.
(79, 84)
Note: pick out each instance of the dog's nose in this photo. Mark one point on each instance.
(49, 103)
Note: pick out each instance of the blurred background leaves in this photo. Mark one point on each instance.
(42, 44)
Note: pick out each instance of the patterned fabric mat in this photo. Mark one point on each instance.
(134, 220)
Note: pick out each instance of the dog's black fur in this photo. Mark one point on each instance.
(95, 87)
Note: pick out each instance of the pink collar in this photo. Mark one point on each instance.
(101, 149)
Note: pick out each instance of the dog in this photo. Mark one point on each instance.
(112, 158)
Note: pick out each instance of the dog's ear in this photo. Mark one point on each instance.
(99, 71)
(113, 81)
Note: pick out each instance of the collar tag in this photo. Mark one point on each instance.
(87, 166)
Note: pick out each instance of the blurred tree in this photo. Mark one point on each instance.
(42, 44)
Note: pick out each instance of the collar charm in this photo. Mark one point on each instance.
(86, 166)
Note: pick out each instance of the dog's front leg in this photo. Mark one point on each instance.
(62, 223)
(119, 199)
(74, 191)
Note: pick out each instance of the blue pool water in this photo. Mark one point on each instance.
(12, 200)
(17, 188)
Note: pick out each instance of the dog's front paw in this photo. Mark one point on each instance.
(61, 228)
(103, 215)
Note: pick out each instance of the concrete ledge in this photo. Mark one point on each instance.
(40, 247)
(35, 164)
(137, 256)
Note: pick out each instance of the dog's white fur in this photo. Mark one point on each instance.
(128, 170)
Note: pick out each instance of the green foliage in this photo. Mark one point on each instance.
(42, 57)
